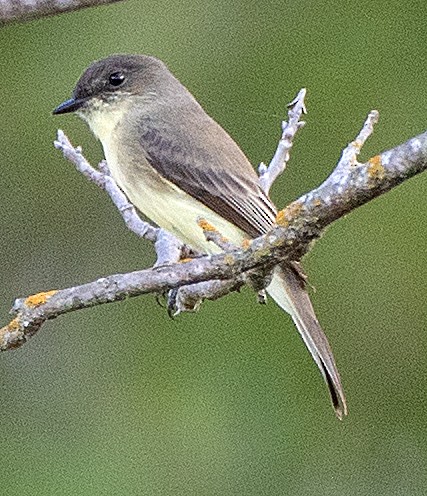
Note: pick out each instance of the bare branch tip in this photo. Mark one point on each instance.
(62, 142)
(298, 101)
(374, 115)
(58, 143)
(262, 168)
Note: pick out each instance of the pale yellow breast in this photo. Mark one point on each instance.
(170, 207)
(158, 199)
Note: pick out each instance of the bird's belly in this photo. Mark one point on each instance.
(178, 213)
(168, 206)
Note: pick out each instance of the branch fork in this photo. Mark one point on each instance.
(350, 185)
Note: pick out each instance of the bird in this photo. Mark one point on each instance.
(177, 165)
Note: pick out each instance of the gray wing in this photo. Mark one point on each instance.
(200, 158)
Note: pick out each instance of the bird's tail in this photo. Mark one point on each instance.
(287, 289)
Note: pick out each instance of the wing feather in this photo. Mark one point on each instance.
(207, 164)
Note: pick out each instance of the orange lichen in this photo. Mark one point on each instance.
(246, 243)
(317, 202)
(281, 219)
(206, 226)
(287, 214)
(13, 325)
(375, 168)
(11, 335)
(39, 298)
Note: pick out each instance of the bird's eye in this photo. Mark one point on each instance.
(116, 79)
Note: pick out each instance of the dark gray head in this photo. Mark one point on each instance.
(107, 79)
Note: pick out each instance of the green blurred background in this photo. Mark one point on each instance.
(120, 399)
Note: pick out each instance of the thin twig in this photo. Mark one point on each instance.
(350, 153)
(267, 175)
(214, 236)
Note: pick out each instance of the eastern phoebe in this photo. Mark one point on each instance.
(176, 165)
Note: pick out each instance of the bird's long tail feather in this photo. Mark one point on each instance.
(287, 289)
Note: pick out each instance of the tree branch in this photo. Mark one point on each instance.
(349, 186)
(26, 10)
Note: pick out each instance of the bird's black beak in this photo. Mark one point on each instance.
(70, 105)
